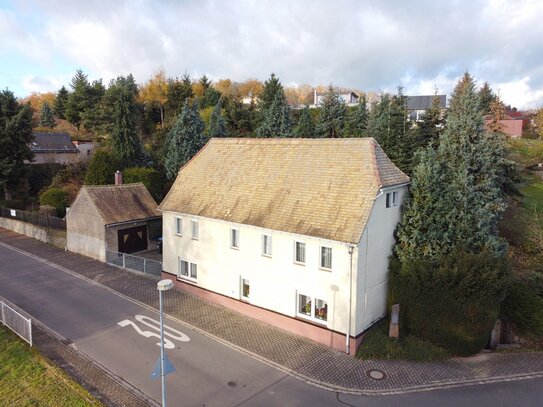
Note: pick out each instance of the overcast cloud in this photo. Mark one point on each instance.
(369, 45)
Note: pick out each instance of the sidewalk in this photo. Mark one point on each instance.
(301, 357)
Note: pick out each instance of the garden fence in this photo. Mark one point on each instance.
(17, 322)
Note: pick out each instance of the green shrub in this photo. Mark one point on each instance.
(453, 302)
(150, 177)
(102, 168)
(524, 307)
(55, 197)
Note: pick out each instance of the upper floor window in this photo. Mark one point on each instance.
(195, 229)
(266, 245)
(326, 257)
(178, 226)
(234, 238)
(392, 199)
(299, 252)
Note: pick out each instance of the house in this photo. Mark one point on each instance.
(349, 98)
(417, 105)
(86, 149)
(53, 148)
(510, 127)
(295, 232)
(115, 218)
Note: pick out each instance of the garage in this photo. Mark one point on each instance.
(132, 240)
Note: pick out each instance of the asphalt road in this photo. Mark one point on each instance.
(122, 335)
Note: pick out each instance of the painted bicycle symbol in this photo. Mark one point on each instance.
(169, 332)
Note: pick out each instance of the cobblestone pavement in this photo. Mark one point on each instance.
(305, 359)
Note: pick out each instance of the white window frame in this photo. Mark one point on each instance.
(242, 294)
(178, 226)
(391, 199)
(296, 261)
(266, 248)
(190, 266)
(234, 231)
(312, 316)
(321, 265)
(195, 227)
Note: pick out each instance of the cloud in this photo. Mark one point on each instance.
(38, 84)
(362, 44)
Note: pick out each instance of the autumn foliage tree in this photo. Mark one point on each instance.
(154, 93)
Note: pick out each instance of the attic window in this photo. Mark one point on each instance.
(178, 226)
(195, 229)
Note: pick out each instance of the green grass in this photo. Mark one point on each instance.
(526, 152)
(28, 379)
(377, 345)
(533, 192)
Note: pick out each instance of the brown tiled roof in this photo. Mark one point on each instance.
(316, 187)
(122, 203)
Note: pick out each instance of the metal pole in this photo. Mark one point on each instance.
(162, 377)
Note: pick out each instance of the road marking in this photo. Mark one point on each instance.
(154, 324)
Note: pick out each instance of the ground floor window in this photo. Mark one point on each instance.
(245, 288)
(312, 307)
(187, 270)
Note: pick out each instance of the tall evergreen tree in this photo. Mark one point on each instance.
(46, 116)
(431, 125)
(15, 137)
(333, 115)
(240, 120)
(497, 113)
(358, 119)
(486, 97)
(276, 120)
(184, 140)
(60, 103)
(270, 90)
(457, 187)
(80, 100)
(179, 90)
(217, 126)
(306, 126)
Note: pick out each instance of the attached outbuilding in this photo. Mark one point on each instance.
(295, 232)
(115, 218)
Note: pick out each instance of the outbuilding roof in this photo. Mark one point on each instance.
(316, 187)
(122, 203)
(52, 143)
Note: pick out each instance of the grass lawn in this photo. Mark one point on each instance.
(28, 379)
(533, 192)
(526, 152)
(377, 345)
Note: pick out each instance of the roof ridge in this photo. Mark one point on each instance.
(132, 184)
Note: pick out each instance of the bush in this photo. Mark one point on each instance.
(102, 168)
(453, 302)
(524, 307)
(150, 177)
(55, 197)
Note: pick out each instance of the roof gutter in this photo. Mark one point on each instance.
(126, 222)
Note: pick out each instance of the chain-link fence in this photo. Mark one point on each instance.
(17, 322)
(35, 218)
(135, 263)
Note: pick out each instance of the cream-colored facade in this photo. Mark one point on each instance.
(277, 281)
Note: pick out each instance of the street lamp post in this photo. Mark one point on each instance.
(162, 285)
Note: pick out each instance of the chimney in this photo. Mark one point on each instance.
(118, 178)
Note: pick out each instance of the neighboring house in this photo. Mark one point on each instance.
(417, 105)
(349, 98)
(295, 232)
(110, 217)
(510, 127)
(86, 149)
(53, 148)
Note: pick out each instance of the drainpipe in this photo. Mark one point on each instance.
(347, 336)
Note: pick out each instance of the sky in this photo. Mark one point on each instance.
(373, 45)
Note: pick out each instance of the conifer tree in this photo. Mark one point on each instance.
(179, 90)
(431, 125)
(306, 126)
(358, 119)
(276, 121)
(60, 103)
(333, 117)
(184, 140)
(486, 97)
(497, 113)
(81, 99)
(46, 116)
(270, 90)
(217, 127)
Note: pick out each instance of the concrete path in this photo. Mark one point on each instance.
(298, 356)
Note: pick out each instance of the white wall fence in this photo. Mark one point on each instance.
(135, 263)
(17, 322)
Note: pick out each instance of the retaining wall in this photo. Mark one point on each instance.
(55, 237)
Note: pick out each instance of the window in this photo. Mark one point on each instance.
(234, 238)
(318, 311)
(326, 257)
(245, 288)
(392, 199)
(187, 270)
(178, 226)
(299, 252)
(266, 245)
(195, 229)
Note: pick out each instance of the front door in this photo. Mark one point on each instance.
(132, 239)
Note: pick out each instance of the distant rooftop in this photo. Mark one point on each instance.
(425, 102)
(52, 143)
